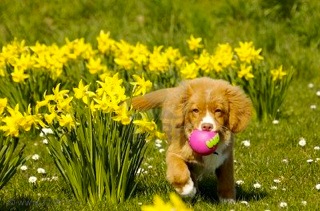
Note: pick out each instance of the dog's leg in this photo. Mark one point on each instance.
(179, 176)
(225, 177)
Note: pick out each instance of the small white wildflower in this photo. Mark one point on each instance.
(35, 157)
(318, 93)
(246, 143)
(310, 85)
(158, 141)
(45, 141)
(302, 142)
(45, 131)
(140, 170)
(54, 178)
(316, 148)
(285, 161)
(275, 122)
(139, 203)
(304, 203)
(274, 188)
(313, 107)
(284, 189)
(41, 171)
(257, 185)
(276, 180)
(309, 160)
(318, 186)
(283, 204)
(244, 202)
(161, 150)
(158, 145)
(239, 182)
(150, 167)
(24, 167)
(32, 179)
(317, 159)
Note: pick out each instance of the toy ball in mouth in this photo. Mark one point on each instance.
(204, 142)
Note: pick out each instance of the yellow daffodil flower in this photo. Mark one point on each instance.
(3, 104)
(194, 43)
(141, 86)
(278, 74)
(245, 71)
(189, 71)
(175, 203)
(247, 53)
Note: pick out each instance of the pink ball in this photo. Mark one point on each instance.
(204, 142)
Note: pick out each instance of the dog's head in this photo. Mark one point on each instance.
(212, 105)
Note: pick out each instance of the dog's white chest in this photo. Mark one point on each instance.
(213, 161)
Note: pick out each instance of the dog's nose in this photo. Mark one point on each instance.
(206, 126)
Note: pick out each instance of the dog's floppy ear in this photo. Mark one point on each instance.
(240, 109)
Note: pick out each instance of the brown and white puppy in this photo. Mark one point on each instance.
(204, 104)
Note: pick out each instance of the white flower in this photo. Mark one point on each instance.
(24, 167)
(45, 131)
(276, 180)
(318, 93)
(310, 85)
(316, 148)
(302, 142)
(285, 161)
(256, 185)
(32, 179)
(318, 186)
(283, 204)
(158, 141)
(304, 203)
(275, 122)
(158, 145)
(274, 188)
(161, 150)
(54, 178)
(244, 202)
(41, 171)
(310, 160)
(239, 182)
(45, 141)
(246, 143)
(313, 107)
(35, 157)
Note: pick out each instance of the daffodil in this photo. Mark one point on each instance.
(122, 114)
(12, 122)
(189, 71)
(3, 104)
(247, 53)
(82, 92)
(141, 86)
(278, 74)
(105, 43)
(245, 71)
(18, 75)
(66, 120)
(175, 203)
(194, 43)
(94, 66)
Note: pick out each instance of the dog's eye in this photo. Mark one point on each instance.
(195, 110)
(218, 111)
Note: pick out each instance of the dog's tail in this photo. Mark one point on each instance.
(151, 100)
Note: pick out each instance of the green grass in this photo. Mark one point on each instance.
(291, 40)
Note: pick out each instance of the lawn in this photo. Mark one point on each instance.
(277, 160)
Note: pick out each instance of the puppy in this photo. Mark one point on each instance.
(203, 104)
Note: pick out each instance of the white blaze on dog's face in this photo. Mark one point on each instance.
(206, 111)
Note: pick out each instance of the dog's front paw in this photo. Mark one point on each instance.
(188, 190)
